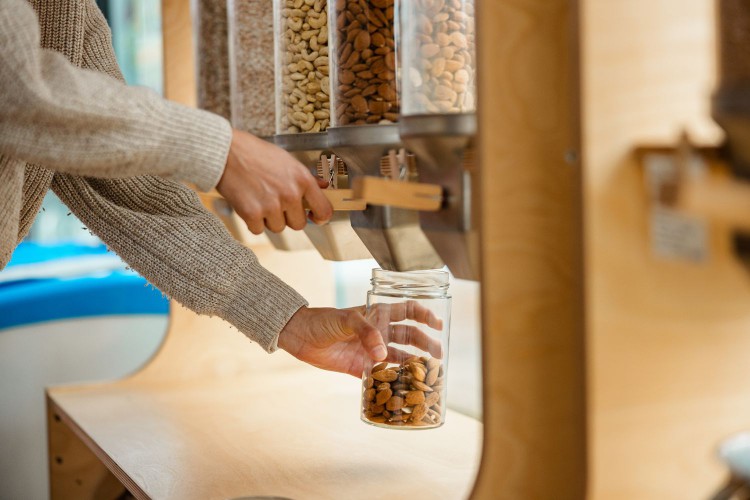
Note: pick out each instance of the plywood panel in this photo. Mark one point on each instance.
(179, 60)
(532, 316)
(667, 342)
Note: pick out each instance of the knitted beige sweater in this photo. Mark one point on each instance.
(116, 155)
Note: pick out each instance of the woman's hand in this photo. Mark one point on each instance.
(339, 339)
(265, 185)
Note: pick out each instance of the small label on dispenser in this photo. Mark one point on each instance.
(673, 234)
(676, 236)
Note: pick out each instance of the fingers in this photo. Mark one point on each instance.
(295, 218)
(413, 310)
(275, 221)
(320, 208)
(413, 336)
(322, 184)
(368, 335)
(253, 218)
(397, 355)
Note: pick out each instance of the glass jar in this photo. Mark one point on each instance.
(438, 57)
(412, 312)
(363, 78)
(302, 84)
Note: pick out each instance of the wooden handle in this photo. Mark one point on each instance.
(343, 200)
(718, 197)
(409, 195)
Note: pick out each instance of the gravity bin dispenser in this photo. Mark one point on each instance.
(303, 115)
(383, 106)
(438, 122)
(365, 111)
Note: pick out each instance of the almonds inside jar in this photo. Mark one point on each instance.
(365, 81)
(409, 394)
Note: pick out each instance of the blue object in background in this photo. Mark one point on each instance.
(62, 281)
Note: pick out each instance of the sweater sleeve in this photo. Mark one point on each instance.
(81, 122)
(161, 230)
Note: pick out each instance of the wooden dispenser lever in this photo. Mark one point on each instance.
(697, 182)
(718, 197)
(343, 200)
(408, 195)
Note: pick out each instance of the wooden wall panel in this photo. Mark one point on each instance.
(668, 342)
(534, 445)
(179, 60)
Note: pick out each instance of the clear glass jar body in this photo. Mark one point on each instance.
(363, 63)
(302, 75)
(438, 57)
(412, 312)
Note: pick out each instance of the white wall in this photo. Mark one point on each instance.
(35, 356)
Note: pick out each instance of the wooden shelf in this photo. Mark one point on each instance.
(249, 423)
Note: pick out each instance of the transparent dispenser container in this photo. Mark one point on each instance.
(212, 55)
(363, 64)
(302, 69)
(251, 66)
(438, 57)
(408, 390)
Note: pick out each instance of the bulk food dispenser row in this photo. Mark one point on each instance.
(378, 98)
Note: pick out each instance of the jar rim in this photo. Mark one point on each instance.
(429, 281)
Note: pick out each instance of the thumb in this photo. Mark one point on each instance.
(369, 336)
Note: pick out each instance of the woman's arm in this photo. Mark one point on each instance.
(161, 230)
(82, 122)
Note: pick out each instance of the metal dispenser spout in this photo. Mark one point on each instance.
(443, 146)
(392, 235)
(335, 240)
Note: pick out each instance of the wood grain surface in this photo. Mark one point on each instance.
(668, 341)
(532, 317)
(178, 50)
(290, 432)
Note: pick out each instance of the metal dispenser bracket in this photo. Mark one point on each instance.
(335, 240)
(392, 235)
(442, 143)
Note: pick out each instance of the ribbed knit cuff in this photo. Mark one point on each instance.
(205, 147)
(262, 307)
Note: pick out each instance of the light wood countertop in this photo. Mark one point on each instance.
(259, 425)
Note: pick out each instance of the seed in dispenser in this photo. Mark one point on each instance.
(304, 46)
(365, 33)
